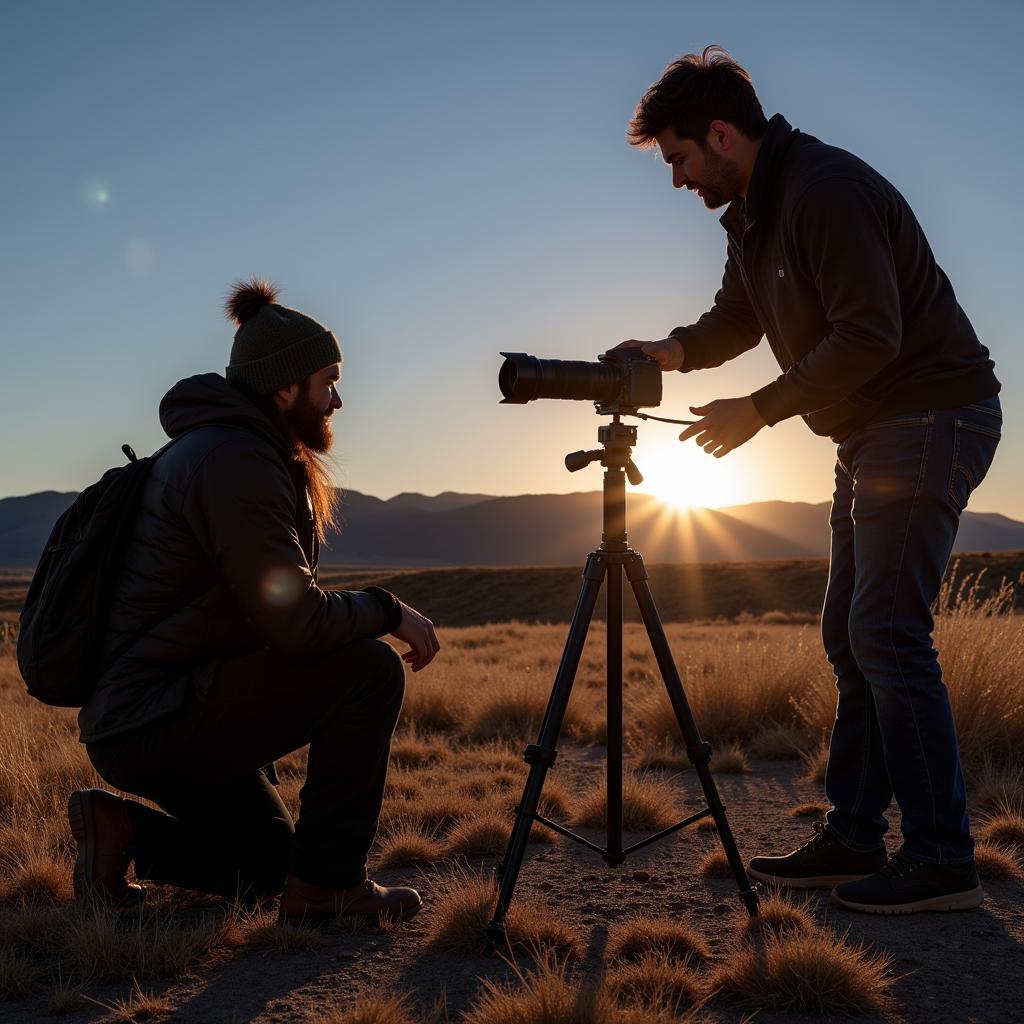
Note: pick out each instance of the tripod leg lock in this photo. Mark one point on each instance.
(538, 755)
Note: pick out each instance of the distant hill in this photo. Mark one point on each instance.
(453, 529)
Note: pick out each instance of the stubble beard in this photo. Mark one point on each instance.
(723, 180)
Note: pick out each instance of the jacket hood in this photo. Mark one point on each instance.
(208, 399)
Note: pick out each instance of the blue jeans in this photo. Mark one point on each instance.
(901, 484)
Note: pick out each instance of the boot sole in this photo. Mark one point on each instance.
(80, 818)
(83, 829)
(811, 882)
(967, 900)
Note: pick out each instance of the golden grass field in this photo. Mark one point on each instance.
(761, 692)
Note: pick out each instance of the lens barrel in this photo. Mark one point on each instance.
(523, 378)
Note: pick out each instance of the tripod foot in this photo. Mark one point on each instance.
(496, 939)
(750, 901)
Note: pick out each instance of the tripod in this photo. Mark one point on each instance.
(608, 561)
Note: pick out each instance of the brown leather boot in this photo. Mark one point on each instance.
(105, 835)
(301, 901)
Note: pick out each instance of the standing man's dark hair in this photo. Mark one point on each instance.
(826, 259)
(695, 90)
(223, 653)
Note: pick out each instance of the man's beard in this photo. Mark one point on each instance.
(722, 182)
(309, 424)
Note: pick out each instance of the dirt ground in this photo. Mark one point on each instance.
(966, 967)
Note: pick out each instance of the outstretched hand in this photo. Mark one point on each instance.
(726, 424)
(418, 632)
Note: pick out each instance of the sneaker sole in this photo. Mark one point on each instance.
(812, 882)
(967, 900)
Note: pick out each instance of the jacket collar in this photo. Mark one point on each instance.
(777, 139)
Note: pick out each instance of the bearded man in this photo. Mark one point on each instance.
(225, 654)
(827, 260)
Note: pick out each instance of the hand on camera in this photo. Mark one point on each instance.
(727, 423)
(418, 632)
(668, 354)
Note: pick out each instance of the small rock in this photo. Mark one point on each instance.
(641, 876)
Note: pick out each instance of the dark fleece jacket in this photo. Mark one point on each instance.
(223, 552)
(827, 260)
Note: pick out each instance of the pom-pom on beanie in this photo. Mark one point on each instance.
(274, 346)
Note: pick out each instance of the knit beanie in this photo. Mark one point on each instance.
(274, 346)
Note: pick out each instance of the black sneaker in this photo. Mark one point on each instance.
(907, 885)
(820, 863)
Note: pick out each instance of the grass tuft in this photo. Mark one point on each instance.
(776, 917)
(648, 802)
(485, 836)
(730, 759)
(654, 981)
(462, 905)
(997, 862)
(1007, 829)
(639, 936)
(366, 1008)
(779, 743)
(809, 810)
(714, 864)
(816, 973)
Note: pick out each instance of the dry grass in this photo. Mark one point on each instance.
(648, 802)
(1007, 829)
(139, 1006)
(462, 904)
(639, 936)
(457, 772)
(714, 864)
(366, 1008)
(817, 762)
(405, 845)
(809, 810)
(815, 973)
(780, 743)
(776, 916)
(997, 862)
(730, 760)
(655, 980)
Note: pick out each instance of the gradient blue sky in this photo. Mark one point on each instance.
(438, 182)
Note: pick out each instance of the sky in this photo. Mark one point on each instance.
(441, 182)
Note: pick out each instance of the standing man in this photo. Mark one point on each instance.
(826, 259)
(225, 654)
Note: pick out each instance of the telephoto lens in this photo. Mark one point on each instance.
(623, 377)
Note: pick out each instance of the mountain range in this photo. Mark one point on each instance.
(413, 529)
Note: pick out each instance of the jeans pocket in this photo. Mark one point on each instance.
(974, 448)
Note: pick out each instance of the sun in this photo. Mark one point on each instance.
(684, 476)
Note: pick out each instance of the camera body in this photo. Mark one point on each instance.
(620, 382)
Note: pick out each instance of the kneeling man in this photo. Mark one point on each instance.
(223, 653)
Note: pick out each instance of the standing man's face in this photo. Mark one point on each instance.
(309, 413)
(704, 170)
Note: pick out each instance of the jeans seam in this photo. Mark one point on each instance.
(892, 628)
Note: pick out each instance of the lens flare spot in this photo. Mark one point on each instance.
(96, 193)
(281, 587)
(139, 258)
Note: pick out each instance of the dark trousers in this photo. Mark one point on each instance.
(226, 829)
(901, 485)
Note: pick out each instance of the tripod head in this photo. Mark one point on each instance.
(618, 440)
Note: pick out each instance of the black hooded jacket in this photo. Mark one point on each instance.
(223, 552)
(827, 260)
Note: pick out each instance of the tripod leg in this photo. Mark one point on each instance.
(541, 756)
(697, 750)
(613, 856)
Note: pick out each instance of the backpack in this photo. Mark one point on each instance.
(61, 630)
